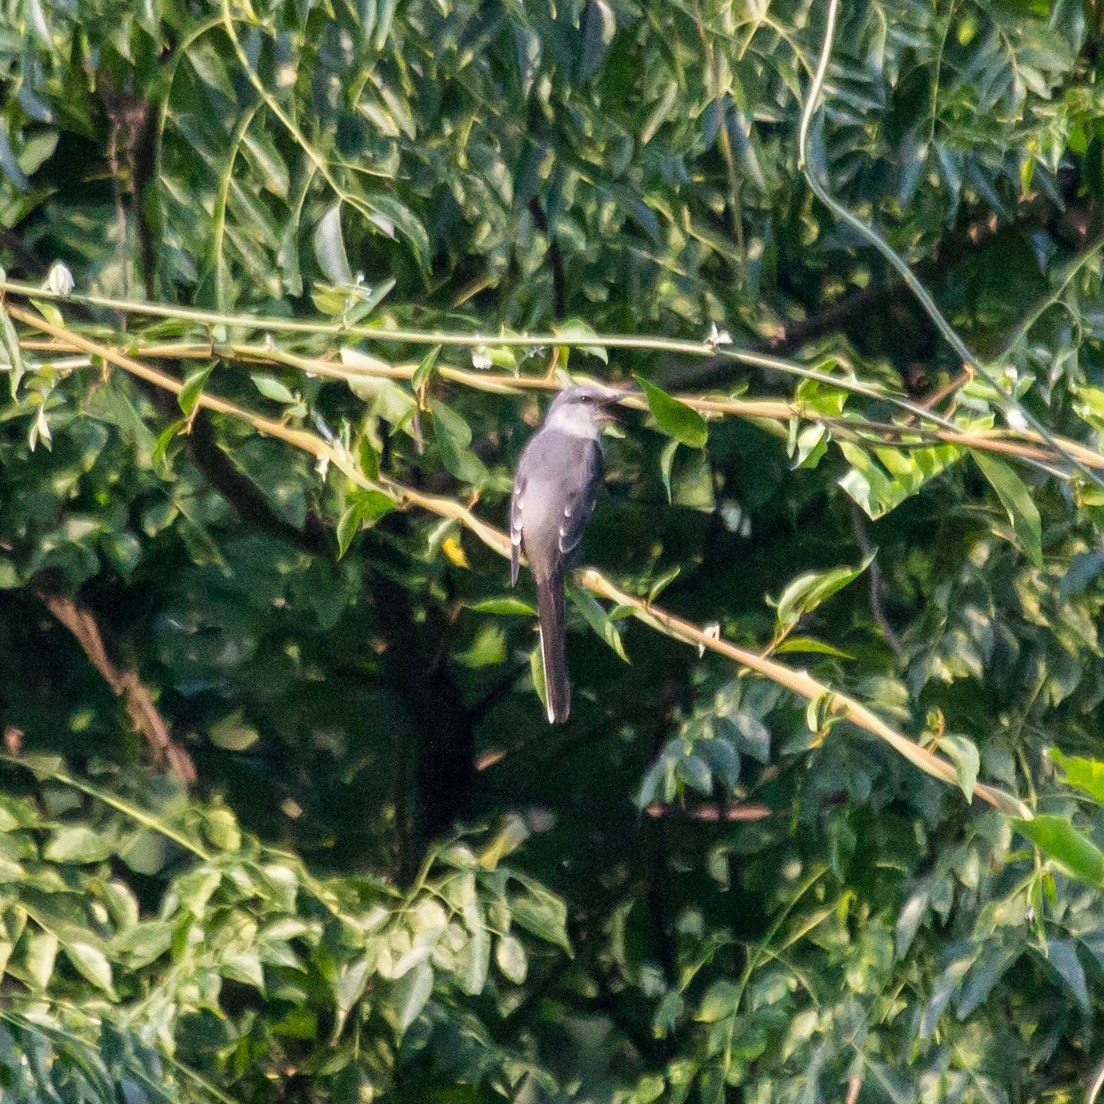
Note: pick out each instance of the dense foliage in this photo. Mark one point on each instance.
(282, 819)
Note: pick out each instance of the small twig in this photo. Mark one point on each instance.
(710, 814)
(124, 684)
(876, 582)
(930, 402)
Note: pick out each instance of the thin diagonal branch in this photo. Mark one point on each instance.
(125, 684)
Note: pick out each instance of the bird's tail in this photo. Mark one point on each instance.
(550, 610)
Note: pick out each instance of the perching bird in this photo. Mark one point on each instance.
(555, 487)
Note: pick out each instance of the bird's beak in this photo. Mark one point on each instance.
(608, 411)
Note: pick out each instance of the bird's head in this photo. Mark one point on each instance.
(582, 409)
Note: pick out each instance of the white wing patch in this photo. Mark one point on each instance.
(570, 535)
(516, 505)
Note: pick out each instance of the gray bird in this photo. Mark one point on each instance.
(555, 487)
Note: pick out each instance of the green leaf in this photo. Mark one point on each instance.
(364, 510)
(666, 465)
(91, 962)
(690, 480)
(424, 370)
(221, 828)
(811, 644)
(40, 956)
(814, 396)
(1017, 501)
(882, 479)
(599, 26)
(663, 582)
(410, 993)
(454, 436)
(808, 444)
(144, 943)
(576, 328)
(694, 771)
(536, 672)
(233, 734)
(1057, 838)
(245, 966)
(674, 417)
(363, 299)
(1062, 956)
(368, 457)
(78, 844)
(964, 754)
(273, 389)
(159, 454)
(486, 650)
(597, 618)
(720, 1001)
(390, 214)
(511, 958)
(722, 757)
(1084, 774)
(508, 607)
(540, 912)
(808, 591)
(474, 957)
(9, 347)
(351, 983)
(329, 248)
(194, 382)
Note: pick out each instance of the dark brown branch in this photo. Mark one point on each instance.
(244, 496)
(442, 759)
(555, 258)
(133, 121)
(876, 583)
(125, 684)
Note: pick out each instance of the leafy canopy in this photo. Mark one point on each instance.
(282, 819)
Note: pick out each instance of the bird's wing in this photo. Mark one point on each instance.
(579, 504)
(515, 525)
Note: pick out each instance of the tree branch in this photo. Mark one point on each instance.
(124, 684)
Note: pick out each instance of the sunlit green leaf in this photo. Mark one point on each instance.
(674, 417)
(232, 733)
(410, 993)
(1084, 774)
(1017, 501)
(1056, 837)
(329, 248)
(77, 844)
(272, 388)
(806, 592)
(194, 383)
(511, 959)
